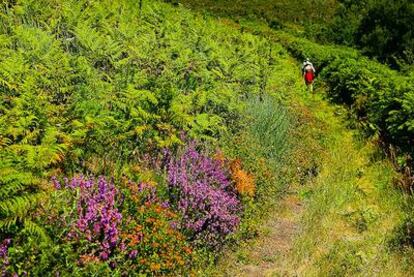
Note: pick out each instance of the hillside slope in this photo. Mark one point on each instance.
(103, 107)
(137, 137)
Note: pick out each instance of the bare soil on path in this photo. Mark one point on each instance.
(267, 255)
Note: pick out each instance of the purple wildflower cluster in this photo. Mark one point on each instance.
(97, 218)
(201, 190)
(4, 256)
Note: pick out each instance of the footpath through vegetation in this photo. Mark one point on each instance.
(338, 222)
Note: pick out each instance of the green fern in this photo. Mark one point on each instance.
(33, 229)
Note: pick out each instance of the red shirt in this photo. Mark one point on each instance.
(309, 76)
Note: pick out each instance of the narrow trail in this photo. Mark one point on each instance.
(337, 223)
(269, 253)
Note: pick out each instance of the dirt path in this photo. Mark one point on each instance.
(267, 255)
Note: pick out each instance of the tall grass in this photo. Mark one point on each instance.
(269, 125)
(263, 143)
(352, 208)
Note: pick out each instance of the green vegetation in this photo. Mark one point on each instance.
(116, 89)
(379, 97)
(351, 207)
(274, 12)
(339, 221)
(381, 29)
(141, 137)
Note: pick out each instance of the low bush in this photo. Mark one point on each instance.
(99, 225)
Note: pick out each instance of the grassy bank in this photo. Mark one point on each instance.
(352, 207)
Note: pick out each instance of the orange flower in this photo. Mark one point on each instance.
(86, 259)
(244, 182)
(158, 209)
(155, 267)
(187, 249)
(180, 260)
(150, 220)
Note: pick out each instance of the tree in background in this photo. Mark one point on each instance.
(387, 31)
(346, 22)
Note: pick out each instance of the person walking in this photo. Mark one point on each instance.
(308, 73)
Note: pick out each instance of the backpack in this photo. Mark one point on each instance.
(308, 67)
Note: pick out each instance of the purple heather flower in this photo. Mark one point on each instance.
(56, 183)
(122, 246)
(4, 256)
(133, 254)
(201, 191)
(104, 256)
(97, 218)
(165, 204)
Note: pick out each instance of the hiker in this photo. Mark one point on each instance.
(308, 73)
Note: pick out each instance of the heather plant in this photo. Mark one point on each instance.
(97, 226)
(4, 256)
(202, 193)
(97, 219)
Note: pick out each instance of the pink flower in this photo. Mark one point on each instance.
(133, 254)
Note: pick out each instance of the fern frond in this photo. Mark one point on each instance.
(19, 206)
(7, 190)
(33, 229)
(7, 223)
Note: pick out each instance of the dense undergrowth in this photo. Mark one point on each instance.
(276, 13)
(141, 137)
(112, 119)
